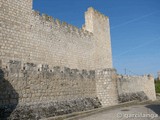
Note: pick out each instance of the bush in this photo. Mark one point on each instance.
(157, 86)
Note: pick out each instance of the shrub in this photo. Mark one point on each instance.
(157, 86)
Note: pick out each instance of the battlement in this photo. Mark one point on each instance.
(137, 77)
(62, 44)
(97, 13)
(51, 22)
(98, 24)
(17, 66)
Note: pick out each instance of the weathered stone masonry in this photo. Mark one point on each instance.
(55, 87)
(45, 61)
(29, 37)
(50, 68)
(136, 87)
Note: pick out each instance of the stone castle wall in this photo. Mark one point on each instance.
(61, 44)
(45, 61)
(136, 86)
(15, 33)
(32, 87)
(54, 67)
(28, 37)
(47, 84)
(53, 90)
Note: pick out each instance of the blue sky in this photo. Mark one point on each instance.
(135, 29)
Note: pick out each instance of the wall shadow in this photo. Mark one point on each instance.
(155, 108)
(8, 97)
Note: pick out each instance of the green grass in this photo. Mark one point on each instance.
(157, 86)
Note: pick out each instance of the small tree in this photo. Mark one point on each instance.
(157, 86)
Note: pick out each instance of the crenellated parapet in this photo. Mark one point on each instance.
(48, 62)
(98, 24)
(15, 68)
(49, 21)
(149, 76)
(97, 14)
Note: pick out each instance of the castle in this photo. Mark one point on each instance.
(45, 62)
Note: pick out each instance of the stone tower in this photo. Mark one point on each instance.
(98, 24)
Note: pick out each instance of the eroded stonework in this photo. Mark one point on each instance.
(50, 68)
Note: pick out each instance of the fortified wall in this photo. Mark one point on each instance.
(44, 61)
(28, 37)
(49, 67)
(136, 87)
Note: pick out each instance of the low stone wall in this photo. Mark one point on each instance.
(31, 86)
(38, 83)
(22, 83)
(136, 88)
(39, 91)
